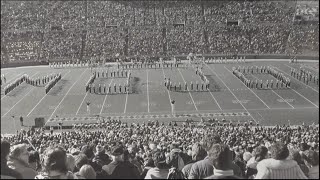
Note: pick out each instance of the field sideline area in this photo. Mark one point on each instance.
(230, 99)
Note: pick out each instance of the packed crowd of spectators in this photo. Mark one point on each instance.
(151, 28)
(104, 42)
(304, 39)
(62, 45)
(145, 41)
(114, 149)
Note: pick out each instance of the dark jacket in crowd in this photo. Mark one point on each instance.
(121, 170)
(204, 168)
(100, 160)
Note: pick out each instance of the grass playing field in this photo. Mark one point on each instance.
(228, 97)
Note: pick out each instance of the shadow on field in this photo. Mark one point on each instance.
(18, 90)
(135, 84)
(58, 87)
(214, 86)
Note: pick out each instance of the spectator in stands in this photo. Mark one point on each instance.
(176, 157)
(19, 161)
(295, 155)
(87, 172)
(80, 160)
(71, 163)
(134, 159)
(311, 158)
(221, 158)
(55, 165)
(247, 155)
(161, 170)
(34, 160)
(204, 168)
(116, 168)
(238, 161)
(100, 159)
(6, 172)
(278, 167)
(198, 153)
(261, 153)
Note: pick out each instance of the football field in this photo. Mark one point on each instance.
(227, 99)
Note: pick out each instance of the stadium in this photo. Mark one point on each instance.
(138, 81)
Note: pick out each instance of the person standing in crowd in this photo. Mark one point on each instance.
(198, 153)
(19, 161)
(311, 159)
(87, 172)
(34, 160)
(261, 153)
(161, 169)
(55, 165)
(6, 171)
(278, 167)
(100, 159)
(221, 158)
(116, 169)
(295, 155)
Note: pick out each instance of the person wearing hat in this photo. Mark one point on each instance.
(116, 169)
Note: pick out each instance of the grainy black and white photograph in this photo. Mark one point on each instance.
(160, 89)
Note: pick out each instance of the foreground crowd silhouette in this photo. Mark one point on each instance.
(151, 150)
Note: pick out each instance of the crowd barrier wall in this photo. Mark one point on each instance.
(184, 57)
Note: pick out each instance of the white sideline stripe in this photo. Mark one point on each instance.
(67, 93)
(105, 98)
(148, 90)
(190, 112)
(189, 91)
(166, 88)
(295, 78)
(215, 100)
(20, 98)
(231, 92)
(305, 98)
(43, 97)
(276, 94)
(249, 89)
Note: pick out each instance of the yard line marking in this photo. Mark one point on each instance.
(215, 100)
(125, 105)
(189, 91)
(231, 92)
(67, 93)
(105, 98)
(148, 90)
(276, 94)
(295, 78)
(44, 97)
(20, 98)
(305, 98)
(166, 88)
(249, 89)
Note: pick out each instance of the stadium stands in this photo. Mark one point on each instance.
(34, 31)
(80, 30)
